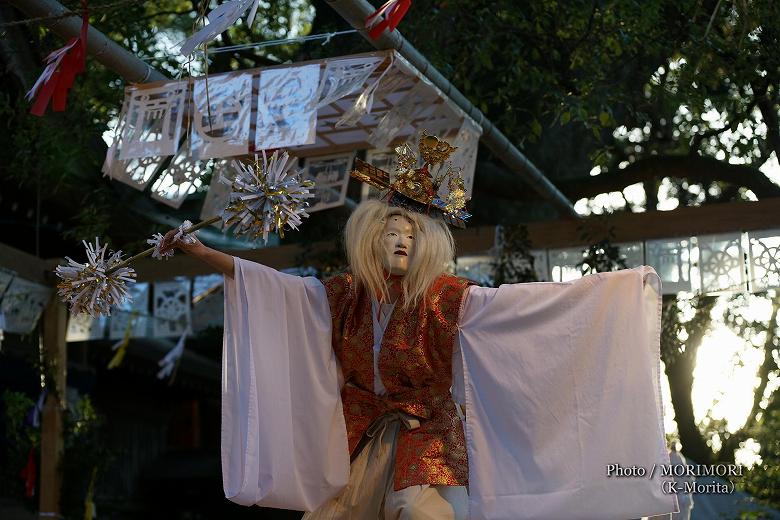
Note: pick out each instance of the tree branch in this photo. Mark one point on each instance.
(694, 168)
(730, 444)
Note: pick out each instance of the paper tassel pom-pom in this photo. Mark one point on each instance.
(87, 287)
(265, 197)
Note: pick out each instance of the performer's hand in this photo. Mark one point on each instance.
(169, 243)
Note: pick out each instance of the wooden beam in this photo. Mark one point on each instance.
(682, 222)
(55, 363)
(627, 227)
(25, 265)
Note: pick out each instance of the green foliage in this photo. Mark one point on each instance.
(21, 437)
(514, 262)
(84, 450)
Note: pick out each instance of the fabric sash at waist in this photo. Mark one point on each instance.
(418, 402)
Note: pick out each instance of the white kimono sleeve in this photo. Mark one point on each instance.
(562, 380)
(284, 442)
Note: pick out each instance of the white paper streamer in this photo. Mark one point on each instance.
(168, 363)
(220, 18)
(364, 102)
(342, 77)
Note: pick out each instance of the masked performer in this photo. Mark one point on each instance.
(400, 391)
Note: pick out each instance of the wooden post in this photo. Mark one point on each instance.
(55, 363)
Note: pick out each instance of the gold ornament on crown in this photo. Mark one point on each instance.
(419, 184)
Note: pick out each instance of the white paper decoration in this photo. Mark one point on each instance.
(171, 308)
(137, 308)
(220, 125)
(342, 77)
(22, 304)
(181, 178)
(83, 327)
(764, 254)
(401, 115)
(384, 159)
(286, 107)
(154, 121)
(671, 259)
(217, 196)
(721, 263)
(365, 101)
(331, 176)
(209, 311)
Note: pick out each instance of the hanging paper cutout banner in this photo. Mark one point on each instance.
(386, 17)
(721, 263)
(135, 309)
(23, 304)
(181, 177)
(764, 255)
(220, 125)
(208, 302)
(154, 121)
(172, 304)
(385, 159)
(343, 77)
(331, 176)
(671, 259)
(286, 107)
(62, 66)
(83, 327)
(220, 18)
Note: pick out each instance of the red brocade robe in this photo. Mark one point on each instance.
(415, 366)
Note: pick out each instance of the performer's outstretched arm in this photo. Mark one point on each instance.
(220, 261)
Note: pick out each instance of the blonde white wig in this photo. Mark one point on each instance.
(434, 250)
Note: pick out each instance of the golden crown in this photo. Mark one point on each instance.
(416, 188)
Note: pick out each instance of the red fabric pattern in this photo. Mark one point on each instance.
(415, 365)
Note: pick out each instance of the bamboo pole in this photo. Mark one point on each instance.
(99, 46)
(149, 251)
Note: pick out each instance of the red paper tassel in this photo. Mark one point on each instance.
(29, 473)
(62, 67)
(388, 16)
